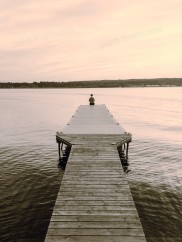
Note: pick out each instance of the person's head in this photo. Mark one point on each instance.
(91, 95)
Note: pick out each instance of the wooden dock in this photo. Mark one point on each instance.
(94, 202)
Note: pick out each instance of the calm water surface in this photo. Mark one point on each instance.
(30, 178)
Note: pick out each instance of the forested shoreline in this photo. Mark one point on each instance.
(163, 82)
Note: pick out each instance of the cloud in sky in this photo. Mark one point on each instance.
(89, 39)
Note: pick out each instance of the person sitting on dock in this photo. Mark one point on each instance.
(91, 99)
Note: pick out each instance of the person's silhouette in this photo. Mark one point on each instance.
(91, 99)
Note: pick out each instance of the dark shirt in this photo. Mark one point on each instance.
(91, 100)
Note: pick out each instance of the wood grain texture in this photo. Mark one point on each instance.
(94, 202)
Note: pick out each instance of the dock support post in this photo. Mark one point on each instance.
(59, 150)
(127, 149)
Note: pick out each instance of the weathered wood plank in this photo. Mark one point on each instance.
(94, 203)
(84, 170)
(72, 167)
(94, 165)
(121, 191)
(86, 212)
(95, 178)
(101, 179)
(93, 186)
(96, 171)
(99, 175)
(92, 182)
(104, 197)
(97, 238)
(98, 218)
(96, 158)
(94, 193)
(90, 231)
(89, 188)
(95, 154)
(94, 208)
(100, 161)
(115, 165)
(88, 152)
(95, 224)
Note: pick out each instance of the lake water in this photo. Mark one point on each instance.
(30, 178)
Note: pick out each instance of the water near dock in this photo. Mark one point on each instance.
(30, 179)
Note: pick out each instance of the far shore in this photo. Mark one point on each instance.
(158, 82)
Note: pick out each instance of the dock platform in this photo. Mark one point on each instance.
(94, 202)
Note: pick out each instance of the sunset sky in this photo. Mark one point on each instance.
(66, 40)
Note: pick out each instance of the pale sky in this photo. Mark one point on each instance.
(66, 40)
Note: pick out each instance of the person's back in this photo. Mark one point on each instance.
(91, 100)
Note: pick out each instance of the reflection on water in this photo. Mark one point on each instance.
(29, 184)
(160, 211)
(155, 184)
(30, 178)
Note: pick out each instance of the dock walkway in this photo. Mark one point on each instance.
(94, 202)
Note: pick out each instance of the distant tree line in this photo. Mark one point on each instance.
(96, 84)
